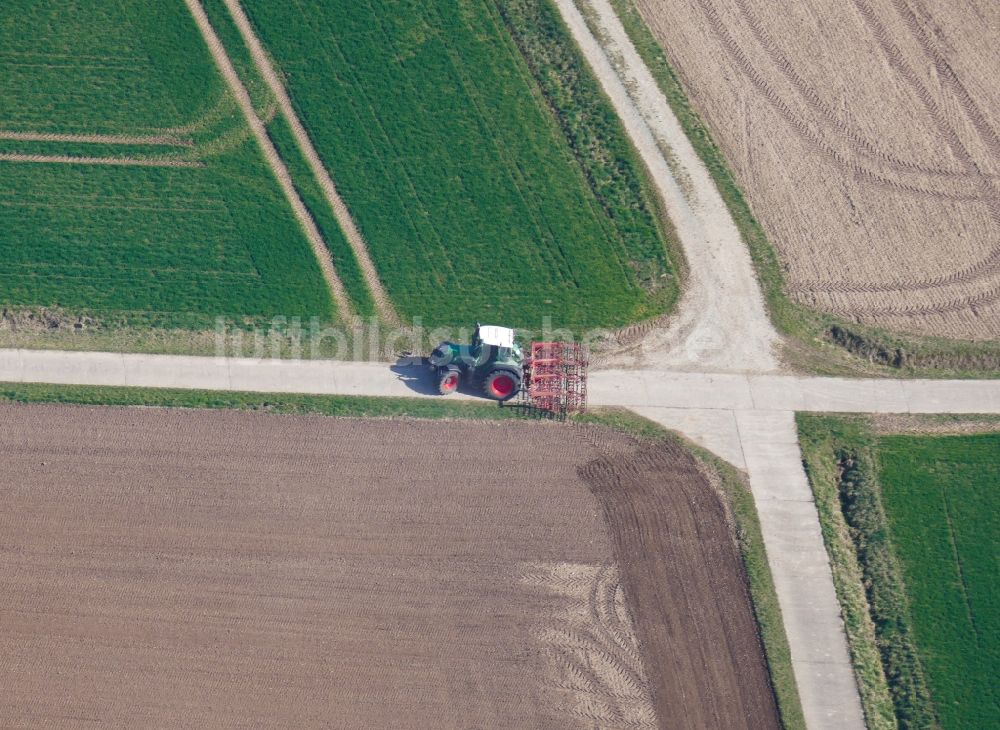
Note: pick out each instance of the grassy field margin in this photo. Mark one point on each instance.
(823, 344)
(839, 456)
(738, 498)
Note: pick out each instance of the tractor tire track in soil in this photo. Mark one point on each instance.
(122, 161)
(892, 148)
(163, 564)
(309, 228)
(343, 215)
(594, 657)
(673, 544)
(156, 139)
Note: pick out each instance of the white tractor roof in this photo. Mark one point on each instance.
(496, 336)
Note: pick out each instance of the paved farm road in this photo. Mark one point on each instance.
(721, 327)
(746, 419)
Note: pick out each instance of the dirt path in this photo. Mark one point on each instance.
(315, 238)
(124, 161)
(351, 232)
(238, 569)
(721, 323)
(156, 139)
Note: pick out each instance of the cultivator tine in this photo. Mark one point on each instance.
(556, 378)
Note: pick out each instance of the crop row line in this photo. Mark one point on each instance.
(123, 139)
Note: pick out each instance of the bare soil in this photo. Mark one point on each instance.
(228, 569)
(866, 135)
(686, 586)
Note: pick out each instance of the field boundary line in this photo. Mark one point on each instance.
(113, 161)
(354, 238)
(125, 139)
(315, 238)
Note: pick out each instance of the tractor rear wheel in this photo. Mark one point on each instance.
(448, 379)
(502, 385)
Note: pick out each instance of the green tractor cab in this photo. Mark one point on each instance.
(493, 358)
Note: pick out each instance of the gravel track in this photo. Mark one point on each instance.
(721, 323)
(273, 159)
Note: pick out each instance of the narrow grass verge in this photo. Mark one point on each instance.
(838, 452)
(823, 343)
(612, 167)
(751, 546)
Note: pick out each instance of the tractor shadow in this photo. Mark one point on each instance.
(418, 377)
(415, 374)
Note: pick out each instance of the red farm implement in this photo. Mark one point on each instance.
(555, 378)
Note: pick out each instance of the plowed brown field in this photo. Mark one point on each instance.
(866, 134)
(225, 569)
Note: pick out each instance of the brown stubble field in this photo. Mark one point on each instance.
(225, 569)
(866, 135)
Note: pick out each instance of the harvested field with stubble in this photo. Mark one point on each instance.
(866, 135)
(225, 569)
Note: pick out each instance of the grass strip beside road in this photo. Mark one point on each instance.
(287, 403)
(825, 441)
(612, 166)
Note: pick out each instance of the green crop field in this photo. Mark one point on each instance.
(166, 244)
(942, 502)
(910, 523)
(454, 158)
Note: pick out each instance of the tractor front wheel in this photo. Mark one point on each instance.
(448, 380)
(502, 385)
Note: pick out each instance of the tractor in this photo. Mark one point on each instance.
(493, 359)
